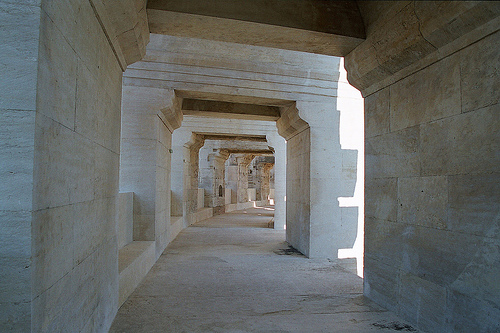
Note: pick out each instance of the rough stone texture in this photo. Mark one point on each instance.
(402, 34)
(129, 25)
(74, 279)
(264, 166)
(125, 218)
(432, 134)
(231, 177)
(19, 37)
(211, 175)
(432, 195)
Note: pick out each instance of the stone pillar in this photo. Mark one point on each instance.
(231, 176)
(149, 116)
(212, 180)
(279, 145)
(263, 166)
(265, 180)
(314, 180)
(243, 161)
(185, 169)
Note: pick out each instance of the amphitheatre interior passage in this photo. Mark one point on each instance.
(140, 140)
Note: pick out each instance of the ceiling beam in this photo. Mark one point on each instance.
(316, 26)
(229, 110)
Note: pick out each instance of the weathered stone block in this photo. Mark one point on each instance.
(474, 204)
(15, 317)
(480, 278)
(144, 227)
(125, 218)
(54, 244)
(16, 154)
(16, 233)
(86, 278)
(64, 166)
(348, 232)
(439, 256)
(57, 75)
(423, 201)
(432, 93)
(107, 133)
(466, 143)
(87, 103)
(91, 229)
(15, 286)
(480, 82)
(469, 314)
(381, 198)
(137, 125)
(393, 155)
(106, 171)
(349, 175)
(456, 19)
(423, 300)
(381, 283)
(385, 241)
(377, 113)
(19, 54)
(394, 43)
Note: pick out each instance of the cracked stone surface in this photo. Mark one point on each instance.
(231, 273)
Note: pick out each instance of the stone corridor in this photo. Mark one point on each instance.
(231, 273)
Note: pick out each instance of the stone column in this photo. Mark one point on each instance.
(243, 161)
(265, 173)
(149, 116)
(279, 145)
(262, 166)
(185, 169)
(231, 176)
(212, 180)
(315, 180)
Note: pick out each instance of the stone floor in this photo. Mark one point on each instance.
(231, 273)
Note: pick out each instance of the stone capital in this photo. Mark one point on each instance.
(290, 122)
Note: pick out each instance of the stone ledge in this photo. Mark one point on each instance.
(134, 262)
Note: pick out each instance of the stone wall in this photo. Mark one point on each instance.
(75, 273)
(432, 192)
(19, 37)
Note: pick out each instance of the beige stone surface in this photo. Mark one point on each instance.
(428, 70)
(125, 218)
(430, 99)
(310, 26)
(135, 260)
(19, 38)
(231, 273)
(76, 177)
(430, 191)
(377, 113)
(400, 34)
